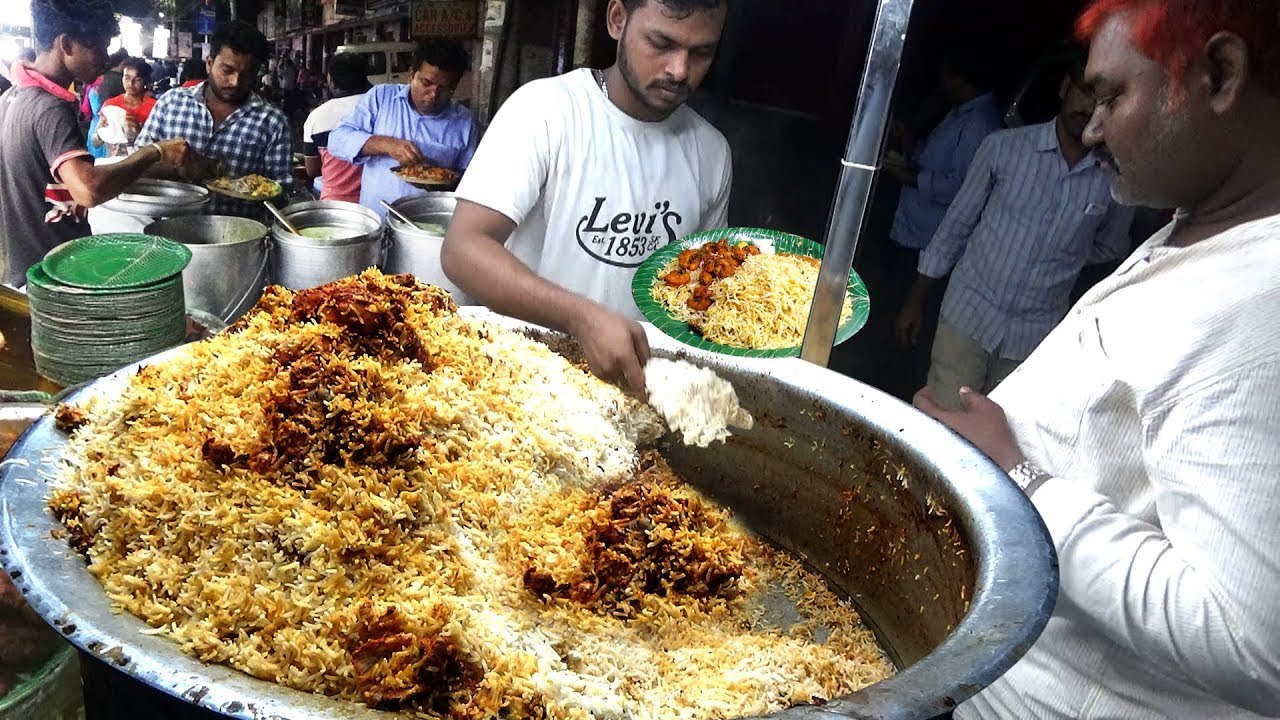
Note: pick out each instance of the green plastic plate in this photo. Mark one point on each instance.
(647, 273)
(111, 262)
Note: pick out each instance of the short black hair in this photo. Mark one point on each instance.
(1074, 58)
(84, 20)
(242, 38)
(193, 68)
(678, 8)
(117, 57)
(445, 53)
(970, 63)
(349, 72)
(140, 66)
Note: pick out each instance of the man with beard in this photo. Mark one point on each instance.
(1146, 427)
(1034, 208)
(47, 177)
(233, 131)
(583, 176)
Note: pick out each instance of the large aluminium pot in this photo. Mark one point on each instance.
(948, 562)
(228, 268)
(299, 262)
(415, 249)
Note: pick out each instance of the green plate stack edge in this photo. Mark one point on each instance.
(101, 302)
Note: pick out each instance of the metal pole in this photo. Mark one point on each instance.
(861, 160)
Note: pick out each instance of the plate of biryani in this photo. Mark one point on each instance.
(740, 291)
(425, 175)
(249, 187)
(356, 492)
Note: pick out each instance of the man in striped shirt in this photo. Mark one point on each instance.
(1146, 428)
(1034, 208)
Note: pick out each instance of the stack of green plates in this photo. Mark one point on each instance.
(102, 302)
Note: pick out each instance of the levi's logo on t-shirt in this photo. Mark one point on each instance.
(628, 238)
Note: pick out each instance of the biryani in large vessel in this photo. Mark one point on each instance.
(357, 492)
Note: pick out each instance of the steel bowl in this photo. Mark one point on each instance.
(299, 262)
(159, 198)
(415, 250)
(946, 559)
(228, 268)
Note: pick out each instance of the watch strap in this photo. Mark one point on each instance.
(1029, 476)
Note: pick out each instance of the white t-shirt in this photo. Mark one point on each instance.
(592, 190)
(327, 116)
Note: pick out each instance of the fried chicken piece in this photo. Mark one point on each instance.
(701, 299)
(677, 278)
(68, 418)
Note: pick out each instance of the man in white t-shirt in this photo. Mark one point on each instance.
(583, 176)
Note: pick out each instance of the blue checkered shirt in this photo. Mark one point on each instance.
(254, 139)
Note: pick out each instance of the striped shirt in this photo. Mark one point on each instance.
(1017, 235)
(942, 160)
(1154, 405)
(254, 139)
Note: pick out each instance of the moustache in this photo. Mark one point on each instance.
(675, 88)
(1103, 153)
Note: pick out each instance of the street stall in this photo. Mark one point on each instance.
(362, 499)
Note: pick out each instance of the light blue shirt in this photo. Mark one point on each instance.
(447, 139)
(1017, 235)
(942, 162)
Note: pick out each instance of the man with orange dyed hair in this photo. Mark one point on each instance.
(1146, 427)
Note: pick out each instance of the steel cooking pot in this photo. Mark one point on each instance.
(415, 248)
(946, 559)
(300, 261)
(228, 268)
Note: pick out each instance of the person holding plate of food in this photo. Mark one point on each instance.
(233, 132)
(412, 131)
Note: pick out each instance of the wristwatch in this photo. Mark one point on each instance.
(1028, 476)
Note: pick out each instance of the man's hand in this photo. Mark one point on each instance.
(174, 151)
(907, 327)
(402, 151)
(616, 347)
(195, 168)
(981, 422)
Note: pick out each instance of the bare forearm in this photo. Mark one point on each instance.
(92, 185)
(484, 269)
(375, 145)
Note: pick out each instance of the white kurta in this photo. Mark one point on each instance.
(1156, 407)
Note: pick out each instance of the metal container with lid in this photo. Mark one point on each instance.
(228, 269)
(946, 559)
(152, 197)
(299, 262)
(415, 248)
